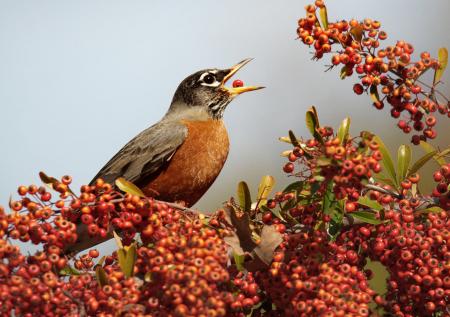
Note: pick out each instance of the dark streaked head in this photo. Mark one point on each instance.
(206, 89)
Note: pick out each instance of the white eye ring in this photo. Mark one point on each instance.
(215, 83)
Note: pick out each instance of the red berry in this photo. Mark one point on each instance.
(238, 83)
(358, 89)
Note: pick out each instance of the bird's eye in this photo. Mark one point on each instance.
(209, 79)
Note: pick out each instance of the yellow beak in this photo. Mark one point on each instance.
(238, 90)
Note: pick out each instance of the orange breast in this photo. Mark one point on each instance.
(195, 165)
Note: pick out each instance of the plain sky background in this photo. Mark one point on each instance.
(78, 79)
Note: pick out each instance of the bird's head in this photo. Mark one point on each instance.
(205, 92)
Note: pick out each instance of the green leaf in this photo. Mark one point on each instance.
(374, 93)
(127, 258)
(324, 17)
(265, 187)
(387, 162)
(427, 147)
(312, 123)
(68, 270)
(328, 199)
(343, 130)
(314, 187)
(384, 179)
(434, 209)
(343, 72)
(442, 154)
(148, 277)
(403, 161)
(443, 61)
(295, 186)
(285, 139)
(334, 228)
(129, 187)
(323, 161)
(372, 204)
(101, 276)
(366, 216)
(118, 240)
(421, 162)
(239, 260)
(379, 284)
(243, 193)
(277, 213)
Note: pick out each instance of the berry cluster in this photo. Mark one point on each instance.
(180, 267)
(442, 190)
(344, 164)
(389, 69)
(185, 263)
(303, 282)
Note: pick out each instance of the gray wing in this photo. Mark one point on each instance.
(146, 153)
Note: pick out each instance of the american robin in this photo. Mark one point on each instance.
(179, 157)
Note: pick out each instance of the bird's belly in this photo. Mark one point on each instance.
(194, 166)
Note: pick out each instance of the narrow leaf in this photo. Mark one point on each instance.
(101, 276)
(434, 209)
(312, 123)
(118, 240)
(421, 162)
(366, 216)
(293, 139)
(427, 147)
(372, 204)
(343, 130)
(324, 17)
(328, 199)
(265, 187)
(357, 32)
(443, 61)
(239, 261)
(374, 93)
(384, 179)
(403, 161)
(51, 181)
(127, 258)
(323, 161)
(443, 154)
(343, 72)
(243, 193)
(128, 187)
(295, 186)
(286, 153)
(276, 212)
(69, 270)
(386, 162)
(285, 139)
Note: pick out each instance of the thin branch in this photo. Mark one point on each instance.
(81, 308)
(384, 191)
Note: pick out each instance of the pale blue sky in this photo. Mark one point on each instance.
(78, 79)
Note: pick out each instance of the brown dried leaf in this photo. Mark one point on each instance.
(241, 224)
(270, 240)
(233, 241)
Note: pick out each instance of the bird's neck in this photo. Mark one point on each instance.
(185, 112)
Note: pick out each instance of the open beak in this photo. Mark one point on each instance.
(238, 90)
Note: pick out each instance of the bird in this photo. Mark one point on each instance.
(178, 158)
